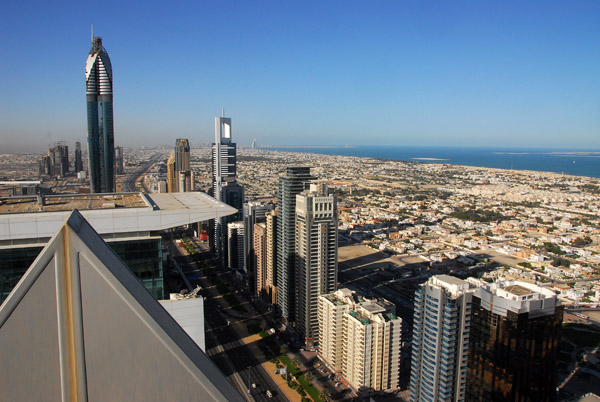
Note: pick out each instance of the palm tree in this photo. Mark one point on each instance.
(309, 377)
(325, 395)
(296, 362)
(283, 350)
(263, 325)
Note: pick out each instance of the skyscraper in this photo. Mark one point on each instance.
(254, 212)
(172, 176)
(441, 340)
(271, 269)
(225, 187)
(316, 255)
(182, 155)
(235, 246)
(119, 166)
(99, 95)
(290, 185)
(260, 257)
(78, 159)
(56, 161)
(515, 336)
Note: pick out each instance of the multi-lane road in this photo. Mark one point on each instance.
(224, 344)
(129, 184)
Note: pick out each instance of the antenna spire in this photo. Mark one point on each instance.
(223, 112)
(92, 33)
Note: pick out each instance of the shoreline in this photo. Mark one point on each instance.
(447, 161)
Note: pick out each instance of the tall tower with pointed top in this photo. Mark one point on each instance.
(99, 96)
(225, 186)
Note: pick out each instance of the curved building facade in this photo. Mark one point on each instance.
(99, 95)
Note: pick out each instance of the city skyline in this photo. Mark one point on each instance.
(332, 74)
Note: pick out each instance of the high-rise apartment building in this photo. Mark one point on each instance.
(271, 274)
(514, 345)
(293, 183)
(331, 310)
(254, 212)
(225, 188)
(119, 163)
(260, 257)
(78, 166)
(182, 155)
(442, 313)
(235, 245)
(172, 177)
(99, 95)
(316, 255)
(361, 339)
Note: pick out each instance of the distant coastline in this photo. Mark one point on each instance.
(574, 162)
(307, 146)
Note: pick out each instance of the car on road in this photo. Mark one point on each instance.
(269, 394)
(254, 385)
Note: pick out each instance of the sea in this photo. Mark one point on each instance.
(575, 162)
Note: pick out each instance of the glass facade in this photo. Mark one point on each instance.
(14, 262)
(99, 96)
(513, 357)
(143, 257)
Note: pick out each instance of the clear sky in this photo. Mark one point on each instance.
(497, 73)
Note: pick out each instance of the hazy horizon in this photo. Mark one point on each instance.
(510, 74)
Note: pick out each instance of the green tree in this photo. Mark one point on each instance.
(309, 377)
(325, 395)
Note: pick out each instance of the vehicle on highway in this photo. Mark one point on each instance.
(254, 385)
(269, 394)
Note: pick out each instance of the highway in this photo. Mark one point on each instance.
(128, 185)
(224, 345)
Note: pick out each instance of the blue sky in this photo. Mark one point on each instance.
(456, 73)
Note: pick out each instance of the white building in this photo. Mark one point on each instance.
(440, 339)
(316, 255)
(361, 340)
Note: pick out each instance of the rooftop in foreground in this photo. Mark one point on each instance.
(80, 326)
(116, 213)
(81, 202)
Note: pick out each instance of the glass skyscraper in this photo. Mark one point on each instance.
(99, 96)
(515, 337)
(293, 183)
(225, 188)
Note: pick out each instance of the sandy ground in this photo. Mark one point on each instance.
(358, 255)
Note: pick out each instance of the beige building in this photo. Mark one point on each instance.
(172, 183)
(316, 256)
(361, 339)
(271, 256)
(260, 256)
(331, 310)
